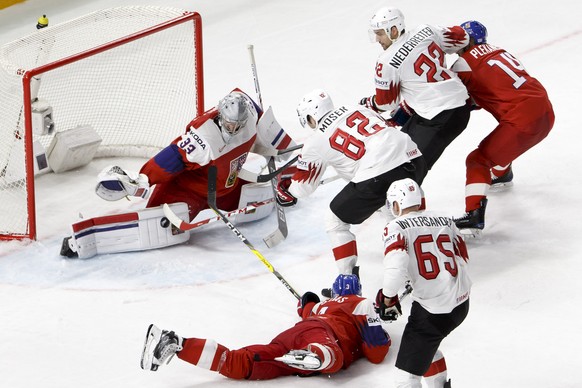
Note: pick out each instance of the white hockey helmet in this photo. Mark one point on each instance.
(316, 104)
(406, 193)
(233, 113)
(384, 19)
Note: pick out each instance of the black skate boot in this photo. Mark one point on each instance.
(66, 249)
(503, 182)
(473, 222)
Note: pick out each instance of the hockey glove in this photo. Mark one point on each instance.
(389, 309)
(308, 297)
(115, 183)
(402, 114)
(370, 103)
(284, 197)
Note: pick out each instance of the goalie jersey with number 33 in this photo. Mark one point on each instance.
(181, 169)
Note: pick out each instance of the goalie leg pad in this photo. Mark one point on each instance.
(141, 230)
(251, 193)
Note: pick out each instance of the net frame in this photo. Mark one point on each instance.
(174, 18)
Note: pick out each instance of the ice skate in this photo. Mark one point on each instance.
(159, 348)
(503, 182)
(301, 359)
(472, 223)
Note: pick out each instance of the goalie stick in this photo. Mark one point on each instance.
(212, 172)
(184, 225)
(281, 232)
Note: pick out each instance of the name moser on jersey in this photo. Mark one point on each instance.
(364, 150)
(222, 137)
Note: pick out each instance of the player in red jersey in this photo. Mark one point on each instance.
(330, 337)
(222, 137)
(498, 82)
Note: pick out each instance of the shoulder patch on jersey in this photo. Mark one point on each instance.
(235, 167)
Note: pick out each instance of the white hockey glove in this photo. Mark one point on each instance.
(115, 183)
(370, 103)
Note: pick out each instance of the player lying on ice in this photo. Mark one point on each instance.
(330, 337)
(222, 137)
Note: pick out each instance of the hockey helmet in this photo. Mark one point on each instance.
(406, 193)
(233, 113)
(316, 104)
(346, 285)
(386, 18)
(476, 30)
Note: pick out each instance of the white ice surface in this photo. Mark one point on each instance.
(81, 323)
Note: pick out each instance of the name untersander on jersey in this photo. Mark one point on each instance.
(409, 45)
(420, 221)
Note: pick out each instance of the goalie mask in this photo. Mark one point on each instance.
(315, 104)
(406, 193)
(232, 113)
(475, 30)
(384, 19)
(346, 285)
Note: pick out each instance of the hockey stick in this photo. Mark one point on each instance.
(254, 177)
(270, 152)
(183, 225)
(281, 232)
(212, 172)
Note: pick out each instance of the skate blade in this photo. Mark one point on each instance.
(308, 363)
(471, 233)
(147, 356)
(500, 187)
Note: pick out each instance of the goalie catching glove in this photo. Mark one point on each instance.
(115, 183)
(388, 308)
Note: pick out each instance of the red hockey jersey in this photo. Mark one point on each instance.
(499, 83)
(356, 325)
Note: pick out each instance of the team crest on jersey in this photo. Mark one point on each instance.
(235, 167)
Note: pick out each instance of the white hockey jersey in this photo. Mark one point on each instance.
(414, 69)
(357, 143)
(428, 250)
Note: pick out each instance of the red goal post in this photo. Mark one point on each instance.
(133, 75)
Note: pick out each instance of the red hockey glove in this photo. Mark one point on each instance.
(389, 309)
(370, 103)
(284, 197)
(308, 297)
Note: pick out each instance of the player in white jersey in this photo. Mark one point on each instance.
(362, 149)
(426, 249)
(414, 84)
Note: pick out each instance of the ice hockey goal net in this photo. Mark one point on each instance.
(134, 74)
